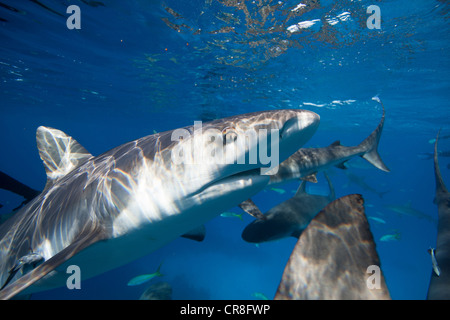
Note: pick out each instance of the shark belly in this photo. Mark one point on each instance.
(152, 235)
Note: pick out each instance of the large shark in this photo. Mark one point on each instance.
(439, 288)
(289, 218)
(335, 257)
(102, 212)
(307, 162)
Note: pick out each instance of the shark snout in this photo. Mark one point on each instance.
(303, 121)
(296, 131)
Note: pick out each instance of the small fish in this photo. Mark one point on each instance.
(231, 215)
(279, 190)
(259, 295)
(436, 268)
(376, 219)
(391, 237)
(138, 280)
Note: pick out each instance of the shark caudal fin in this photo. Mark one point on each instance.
(370, 144)
(440, 185)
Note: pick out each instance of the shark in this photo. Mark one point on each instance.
(360, 182)
(289, 218)
(307, 162)
(9, 183)
(334, 257)
(439, 287)
(408, 210)
(101, 212)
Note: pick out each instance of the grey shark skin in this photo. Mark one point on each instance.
(289, 218)
(332, 256)
(307, 162)
(11, 184)
(439, 288)
(102, 212)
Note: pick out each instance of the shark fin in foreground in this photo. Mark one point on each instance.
(331, 258)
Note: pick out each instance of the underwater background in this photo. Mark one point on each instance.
(138, 66)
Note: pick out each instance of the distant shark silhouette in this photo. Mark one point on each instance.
(289, 218)
(353, 178)
(439, 287)
(408, 210)
(430, 155)
(332, 256)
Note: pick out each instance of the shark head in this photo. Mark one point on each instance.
(214, 165)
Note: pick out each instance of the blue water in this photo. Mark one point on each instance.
(138, 66)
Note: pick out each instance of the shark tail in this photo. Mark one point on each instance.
(370, 145)
(440, 185)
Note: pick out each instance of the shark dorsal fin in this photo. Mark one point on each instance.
(336, 143)
(301, 189)
(59, 152)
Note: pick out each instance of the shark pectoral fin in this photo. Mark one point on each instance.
(197, 234)
(311, 178)
(29, 260)
(341, 165)
(85, 239)
(59, 152)
(252, 209)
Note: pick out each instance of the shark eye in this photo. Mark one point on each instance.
(229, 134)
